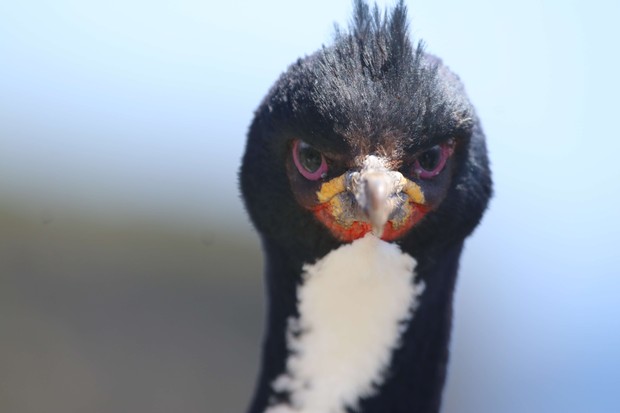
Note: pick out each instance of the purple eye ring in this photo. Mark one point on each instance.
(310, 163)
(431, 162)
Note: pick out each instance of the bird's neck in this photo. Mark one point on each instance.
(385, 345)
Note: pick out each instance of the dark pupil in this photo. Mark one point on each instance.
(430, 159)
(309, 157)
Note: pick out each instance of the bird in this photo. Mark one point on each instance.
(365, 169)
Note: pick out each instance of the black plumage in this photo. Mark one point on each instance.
(371, 92)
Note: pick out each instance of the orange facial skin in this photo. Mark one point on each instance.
(357, 229)
(332, 211)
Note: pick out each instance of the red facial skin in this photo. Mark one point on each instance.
(323, 212)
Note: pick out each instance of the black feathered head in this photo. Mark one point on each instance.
(367, 134)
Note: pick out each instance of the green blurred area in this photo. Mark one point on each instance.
(122, 316)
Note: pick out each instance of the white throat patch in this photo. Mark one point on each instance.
(353, 304)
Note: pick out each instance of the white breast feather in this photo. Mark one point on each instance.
(353, 305)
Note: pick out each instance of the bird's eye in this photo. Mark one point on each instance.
(309, 162)
(432, 161)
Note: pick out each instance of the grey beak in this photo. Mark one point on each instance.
(376, 190)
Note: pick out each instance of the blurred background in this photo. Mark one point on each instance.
(130, 277)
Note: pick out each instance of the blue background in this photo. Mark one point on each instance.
(120, 112)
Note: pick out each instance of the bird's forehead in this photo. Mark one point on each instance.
(356, 130)
(372, 115)
(388, 144)
(344, 110)
(352, 144)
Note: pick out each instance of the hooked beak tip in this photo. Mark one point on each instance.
(377, 231)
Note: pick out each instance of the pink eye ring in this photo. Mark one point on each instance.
(309, 161)
(432, 161)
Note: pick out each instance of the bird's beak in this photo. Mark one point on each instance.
(373, 198)
(377, 191)
(376, 207)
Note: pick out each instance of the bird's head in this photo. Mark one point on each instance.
(369, 134)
